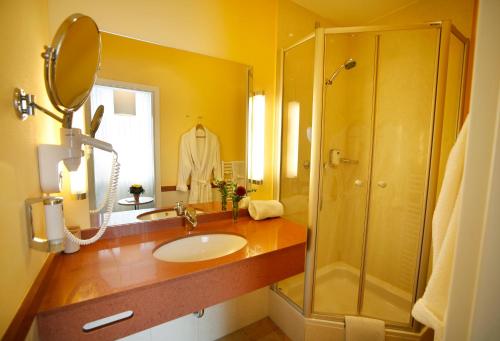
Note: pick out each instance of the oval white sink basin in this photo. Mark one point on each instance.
(156, 215)
(200, 247)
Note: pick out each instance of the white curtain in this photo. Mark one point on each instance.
(132, 137)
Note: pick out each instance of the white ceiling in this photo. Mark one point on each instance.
(353, 12)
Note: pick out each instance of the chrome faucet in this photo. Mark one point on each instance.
(189, 213)
(180, 208)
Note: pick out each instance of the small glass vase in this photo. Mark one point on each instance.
(137, 197)
(236, 212)
(223, 203)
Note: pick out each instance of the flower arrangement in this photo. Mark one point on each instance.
(136, 190)
(232, 190)
(223, 190)
(237, 193)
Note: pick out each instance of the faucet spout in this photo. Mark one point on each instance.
(189, 214)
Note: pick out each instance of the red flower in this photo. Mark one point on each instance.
(240, 191)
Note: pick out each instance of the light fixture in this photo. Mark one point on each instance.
(78, 181)
(292, 140)
(78, 178)
(256, 137)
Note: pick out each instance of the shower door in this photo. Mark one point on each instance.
(376, 142)
(401, 157)
(346, 149)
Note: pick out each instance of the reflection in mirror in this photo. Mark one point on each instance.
(154, 98)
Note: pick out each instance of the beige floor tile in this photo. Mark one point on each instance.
(263, 330)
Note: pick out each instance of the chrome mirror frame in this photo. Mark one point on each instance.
(25, 104)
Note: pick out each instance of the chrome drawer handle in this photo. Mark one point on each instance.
(106, 321)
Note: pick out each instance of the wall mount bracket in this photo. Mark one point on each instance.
(25, 106)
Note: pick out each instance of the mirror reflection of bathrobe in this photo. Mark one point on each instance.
(200, 159)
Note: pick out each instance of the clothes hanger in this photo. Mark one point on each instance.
(200, 126)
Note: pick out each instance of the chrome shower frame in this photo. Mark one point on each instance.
(446, 29)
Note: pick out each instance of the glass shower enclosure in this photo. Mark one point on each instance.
(368, 117)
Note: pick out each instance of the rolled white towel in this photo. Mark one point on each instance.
(359, 328)
(263, 209)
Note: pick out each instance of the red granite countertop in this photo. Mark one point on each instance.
(126, 265)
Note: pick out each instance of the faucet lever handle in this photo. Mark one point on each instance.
(190, 216)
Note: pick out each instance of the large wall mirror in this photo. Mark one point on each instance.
(154, 98)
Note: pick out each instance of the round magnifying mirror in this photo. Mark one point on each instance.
(72, 62)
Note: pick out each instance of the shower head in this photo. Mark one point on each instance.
(348, 64)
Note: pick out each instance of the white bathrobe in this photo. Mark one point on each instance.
(432, 307)
(200, 159)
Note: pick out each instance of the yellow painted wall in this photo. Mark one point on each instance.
(24, 31)
(460, 12)
(241, 31)
(295, 22)
(190, 84)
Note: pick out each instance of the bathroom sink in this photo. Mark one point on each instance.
(161, 214)
(200, 247)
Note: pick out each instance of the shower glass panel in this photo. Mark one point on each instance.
(298, 73)
(348, 107)
(453, 99)
(406, 81)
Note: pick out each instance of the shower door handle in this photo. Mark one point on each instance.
(382, 184)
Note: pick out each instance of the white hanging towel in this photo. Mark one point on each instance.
(200, 159)
(359, 328)
(432, 307)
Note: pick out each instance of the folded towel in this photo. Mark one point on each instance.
(431, 308)
(262, 209)
(359, 328)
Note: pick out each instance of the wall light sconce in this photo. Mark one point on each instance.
(78, 181)
(256, 137)
(292, 140)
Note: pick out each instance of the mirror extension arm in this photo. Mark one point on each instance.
(25, 106)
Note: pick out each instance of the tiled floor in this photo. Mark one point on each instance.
(263, 330)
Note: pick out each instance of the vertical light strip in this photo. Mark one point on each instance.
(292, 140)
(257, 137)
(78, 178)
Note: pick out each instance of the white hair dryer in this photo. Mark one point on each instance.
(49, 161)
